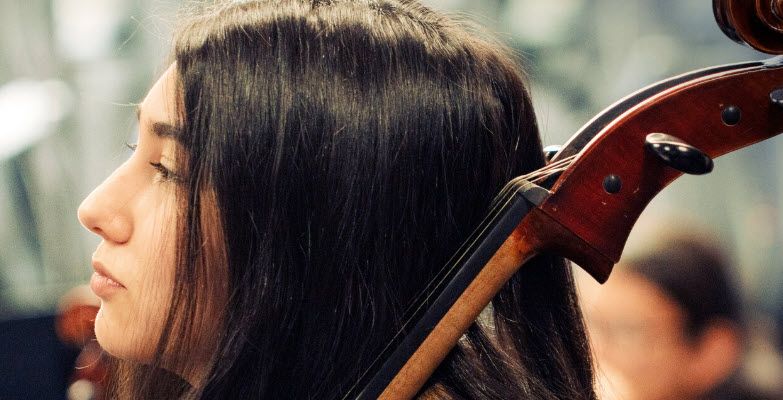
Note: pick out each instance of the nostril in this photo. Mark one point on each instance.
(89, 218)
(86, 218)
(110, 225)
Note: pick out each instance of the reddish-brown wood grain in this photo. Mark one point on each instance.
(759, 23)
(692, 112)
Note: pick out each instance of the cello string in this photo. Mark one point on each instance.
(547, 171)
(533, 177)
(536, 176)
(555, 165)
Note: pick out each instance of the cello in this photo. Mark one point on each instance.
(613, 166)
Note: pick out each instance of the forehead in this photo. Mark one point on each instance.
(160, 104)
(630, 295)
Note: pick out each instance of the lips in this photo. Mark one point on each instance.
(102, 283)
(101, 270)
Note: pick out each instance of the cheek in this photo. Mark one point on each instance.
(155, 275)
(129, 327)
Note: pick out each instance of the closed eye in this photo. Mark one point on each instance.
(165, 174)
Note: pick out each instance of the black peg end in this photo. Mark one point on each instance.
(776, 97)
(731, 115)
(678, 154)
(612, 184)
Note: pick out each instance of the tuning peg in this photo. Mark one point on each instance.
(776, 97)
(678, 154)
(551, 150)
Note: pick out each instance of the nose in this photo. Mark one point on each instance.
(106, 211)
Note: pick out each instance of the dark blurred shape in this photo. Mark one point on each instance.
(669, 323)
(34, 363)
(695, 274)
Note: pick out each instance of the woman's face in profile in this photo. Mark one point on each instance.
(134, 213)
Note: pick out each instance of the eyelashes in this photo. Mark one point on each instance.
(163, 173)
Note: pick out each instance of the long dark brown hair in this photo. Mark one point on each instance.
(337, 154)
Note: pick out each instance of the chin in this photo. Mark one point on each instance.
(107, 334)
(118, 340)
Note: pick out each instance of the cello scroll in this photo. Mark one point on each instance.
(757, 23)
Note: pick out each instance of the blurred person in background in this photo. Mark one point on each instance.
(668, 324)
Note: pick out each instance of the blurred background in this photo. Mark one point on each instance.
(71, 70)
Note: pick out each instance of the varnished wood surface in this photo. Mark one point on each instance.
(758, 23)
(691, 112)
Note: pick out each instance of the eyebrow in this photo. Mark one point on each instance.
(162, 129)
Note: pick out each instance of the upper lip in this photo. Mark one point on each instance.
(101, 269)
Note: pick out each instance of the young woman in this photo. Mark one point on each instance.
(303, 169)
